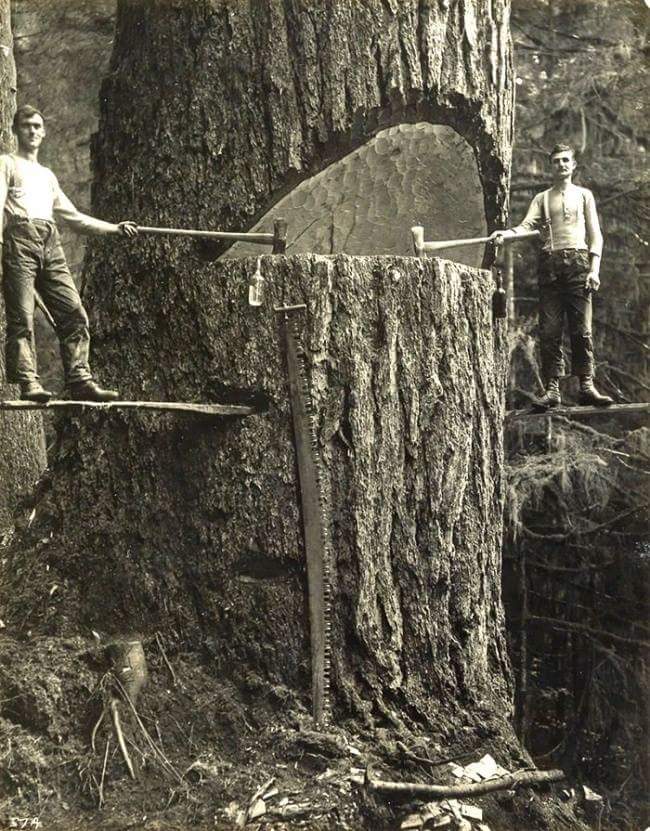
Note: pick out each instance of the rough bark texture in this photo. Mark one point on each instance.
(196, 524)
(212, 112)
(22, 449)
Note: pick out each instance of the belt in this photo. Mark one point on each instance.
(22, 220)
(567, 251)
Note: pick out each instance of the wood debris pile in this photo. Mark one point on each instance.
(452, 813)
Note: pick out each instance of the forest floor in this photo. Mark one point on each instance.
(209, 755)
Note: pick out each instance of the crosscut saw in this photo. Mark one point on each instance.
(315, 512)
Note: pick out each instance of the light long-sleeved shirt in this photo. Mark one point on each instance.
(31, 191)
(573, 220)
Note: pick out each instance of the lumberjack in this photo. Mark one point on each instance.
(33, 259)
(569, 264)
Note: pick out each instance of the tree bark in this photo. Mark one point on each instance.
(22, 445)
(211, 112)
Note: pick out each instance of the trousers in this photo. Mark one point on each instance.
(562, 275)
(32, 258)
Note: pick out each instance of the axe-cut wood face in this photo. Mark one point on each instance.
(365, 202)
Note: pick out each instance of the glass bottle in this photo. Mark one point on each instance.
(256, 286)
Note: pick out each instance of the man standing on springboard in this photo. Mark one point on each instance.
(569, 264)
(33, 259)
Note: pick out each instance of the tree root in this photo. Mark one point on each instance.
(512, 780)
(101, 784)
(129, 671)
(93, 735)
(115, 716)
(121, 686)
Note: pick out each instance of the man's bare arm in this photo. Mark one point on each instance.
(594, 241)
(4, 189)
(85, 224)
(531, 222)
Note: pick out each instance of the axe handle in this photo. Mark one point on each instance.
(422, 247)
(189, 232)
(278, 239)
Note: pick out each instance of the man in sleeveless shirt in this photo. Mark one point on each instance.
(32, 258)
(569, 265)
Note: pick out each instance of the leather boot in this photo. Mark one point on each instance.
(90, 391)
(590, 395)
(34, 391)
(551, 397)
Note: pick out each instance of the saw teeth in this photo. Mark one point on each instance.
(299, 377)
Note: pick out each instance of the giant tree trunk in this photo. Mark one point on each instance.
(211, 113)
(22, 448)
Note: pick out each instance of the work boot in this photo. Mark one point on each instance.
(590, 395)
(551, 397)
(34, 391)
(90, 391)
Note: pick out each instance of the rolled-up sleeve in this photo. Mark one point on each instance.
(592, 225)
(65, 210)
(534, 218)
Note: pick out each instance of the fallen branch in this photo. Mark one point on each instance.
(512, 780)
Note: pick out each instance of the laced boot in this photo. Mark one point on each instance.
(551, 397)
(90, 391)
(34, 391)
(590, 395)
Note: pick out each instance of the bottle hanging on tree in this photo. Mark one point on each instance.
(499, 298)
(256, 286)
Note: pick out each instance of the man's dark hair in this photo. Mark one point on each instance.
(25, 111)
(562, 148)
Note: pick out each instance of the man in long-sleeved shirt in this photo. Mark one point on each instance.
(569, 266)
(33, 259)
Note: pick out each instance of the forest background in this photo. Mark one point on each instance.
(576, 557)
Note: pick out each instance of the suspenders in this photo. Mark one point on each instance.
(546, 219)
(547, 227)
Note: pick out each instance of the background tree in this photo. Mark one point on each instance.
(575, 567)
(22, 450)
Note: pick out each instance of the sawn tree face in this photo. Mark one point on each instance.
(213, 113)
